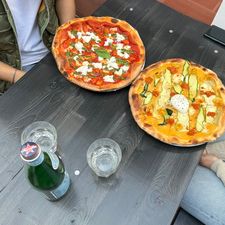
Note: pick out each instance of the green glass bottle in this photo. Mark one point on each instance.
(45, 171)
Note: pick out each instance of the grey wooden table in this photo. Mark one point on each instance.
(153, 176)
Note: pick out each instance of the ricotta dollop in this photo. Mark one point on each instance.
(180, 103)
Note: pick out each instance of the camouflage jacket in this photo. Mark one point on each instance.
(9, 50)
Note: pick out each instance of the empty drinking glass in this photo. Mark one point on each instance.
(104, 156)
(42, 133)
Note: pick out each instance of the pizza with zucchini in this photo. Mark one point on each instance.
(98, 53)
(179, 102)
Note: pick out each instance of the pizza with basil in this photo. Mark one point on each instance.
(98, 53)
(179, 102)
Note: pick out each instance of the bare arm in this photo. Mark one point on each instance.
(8, 73)
(66, 10)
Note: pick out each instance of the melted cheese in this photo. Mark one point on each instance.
(79, 35)
(108, 78)
(86, 38)
(123, 54)
(108, 42)
(93, 36)
(119, 37)
(183, 119)
(119, 46)
(127, 47)
(97, 65)
(84, 69)
(79, 46)
(71, 35)
(111, 64)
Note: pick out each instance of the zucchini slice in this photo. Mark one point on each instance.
(156, 81)
(165, 89)
(177, 88)
(193, 86)
(185, 71)
(148, 98)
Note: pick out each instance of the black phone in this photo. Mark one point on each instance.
(216, 34)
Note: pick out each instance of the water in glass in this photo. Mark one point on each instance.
(42, 133)
(44, 138)
(104, 156)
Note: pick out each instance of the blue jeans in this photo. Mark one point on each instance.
(205, 197)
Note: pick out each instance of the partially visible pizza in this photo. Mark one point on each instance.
(98, 53)
(179, 102)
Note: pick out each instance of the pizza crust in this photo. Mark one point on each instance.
(136, 104)
(136, 67)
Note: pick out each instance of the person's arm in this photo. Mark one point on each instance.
(214, 163)
(66, 10)
(8, 73)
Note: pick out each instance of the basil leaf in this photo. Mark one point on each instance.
(146, 87)
(74, 32)
(103, 53)
(72, 44)
(69, 54)
(144, 91)
(164, 122)
(122, 61)
(128, 51)
(143, 95)
(123, 78)
(169, 111)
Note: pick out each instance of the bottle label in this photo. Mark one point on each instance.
(60, 190)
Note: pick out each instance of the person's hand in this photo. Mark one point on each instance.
(18, 75)
(207, 159)
(9, 73)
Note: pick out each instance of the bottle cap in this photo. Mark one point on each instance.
(30, 151)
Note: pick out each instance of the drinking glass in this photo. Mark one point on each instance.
(104, 156)
(42, 133)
